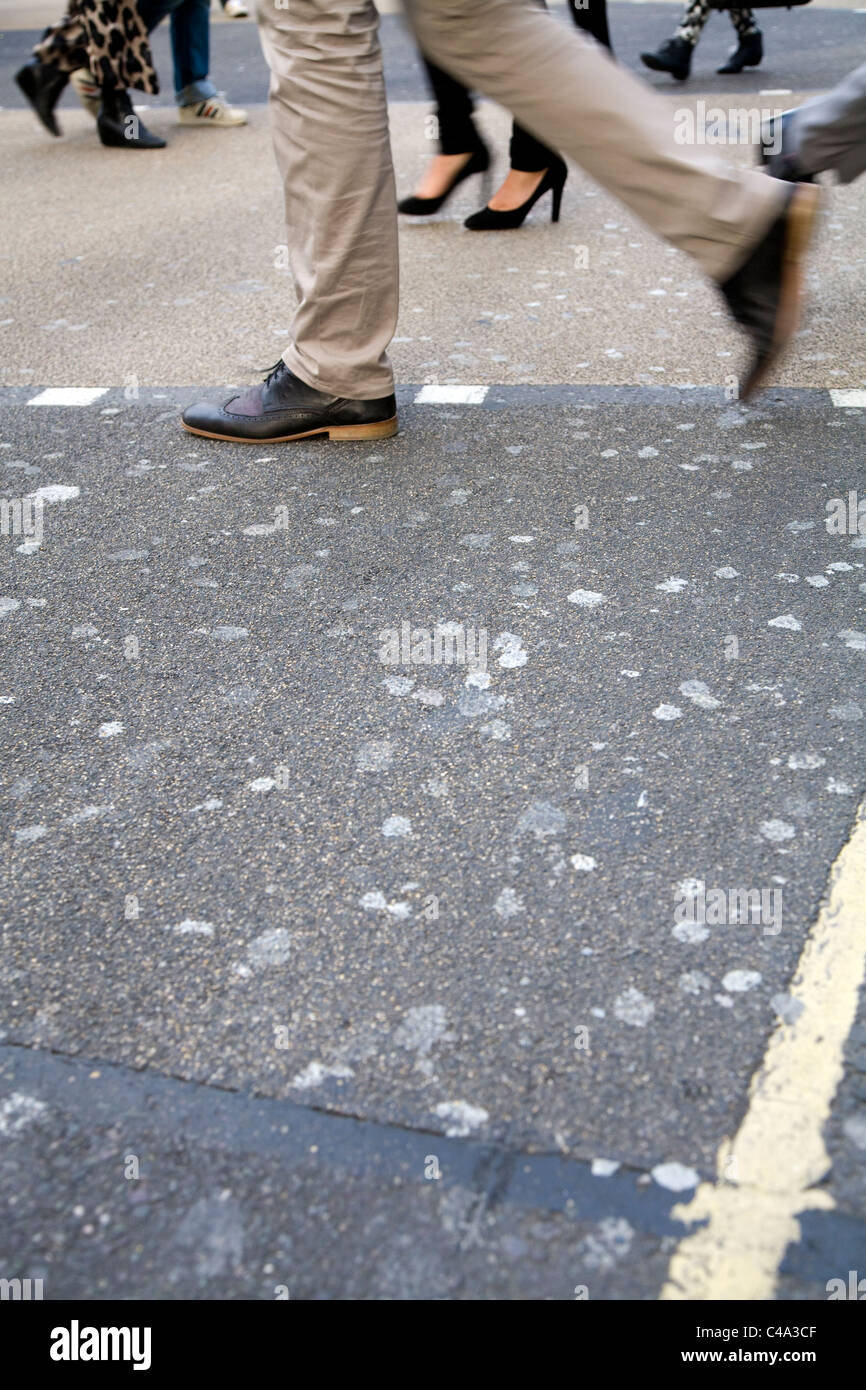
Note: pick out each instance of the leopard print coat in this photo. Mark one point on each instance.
(106, 36)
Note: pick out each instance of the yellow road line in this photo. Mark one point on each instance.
(767, 1173)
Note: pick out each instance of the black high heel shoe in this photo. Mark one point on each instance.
(42, 85)
(119, 126)
(423, 207)
(490, 220)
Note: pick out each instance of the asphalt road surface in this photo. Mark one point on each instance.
(330, 969)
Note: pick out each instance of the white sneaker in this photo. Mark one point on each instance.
(235, 10)
(211, 111)
(87, 90)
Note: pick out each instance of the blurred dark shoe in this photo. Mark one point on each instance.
(747, 54)
(778, 150)
(764, 294)
(286, 408)
(42, 84)
(674, 56)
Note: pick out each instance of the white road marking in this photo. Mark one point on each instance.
(769, 1173)
(69, 395)
(451, 395)
(427, 395)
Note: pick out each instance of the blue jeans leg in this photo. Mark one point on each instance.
(190, 44)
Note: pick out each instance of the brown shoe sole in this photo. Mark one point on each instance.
(802, 214)
(381, 429)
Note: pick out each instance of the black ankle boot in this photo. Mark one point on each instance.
(119, 126)
(674, 56)
(42, 84)
(747, 54)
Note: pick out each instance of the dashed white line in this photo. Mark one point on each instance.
(427, 395)
(451, 395)
(69, 395)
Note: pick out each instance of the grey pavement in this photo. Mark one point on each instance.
(375, 968)
(385, 890)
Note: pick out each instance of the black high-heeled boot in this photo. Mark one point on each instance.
(42, 84)
(491, 220)
(747, 54)
(120, 127)
(479, 163)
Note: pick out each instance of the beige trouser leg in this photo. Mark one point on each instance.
(330, 130)
(571, 95)
(329, 119)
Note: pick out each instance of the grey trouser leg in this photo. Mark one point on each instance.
(329, 119)
(830, 131)
(571, 95)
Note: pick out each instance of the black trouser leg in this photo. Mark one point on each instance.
(454, 107)
(457, 133)
(592, 18)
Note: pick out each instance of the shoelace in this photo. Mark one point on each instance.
(270, 372)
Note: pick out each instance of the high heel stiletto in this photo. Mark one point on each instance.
(423, 207)
(491, 220)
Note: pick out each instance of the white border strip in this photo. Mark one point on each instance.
(69, 395)
(844, 398)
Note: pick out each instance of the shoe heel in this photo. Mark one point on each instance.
(803, 220)
(382, 429)
(557, 201)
